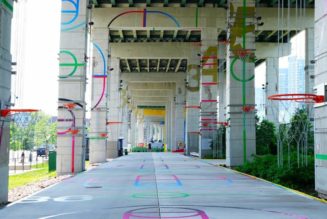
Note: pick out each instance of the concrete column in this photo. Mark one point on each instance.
(192, 102)
(240, 135)
(72, 84)
(179, 129)
(5, 82)
(208, 91)
(320, 80)
(115, 111)
(309, 60)
(221, 99)
(98, 128)
(222, 82)
(133, 129)
(124, 128)
(272, 75)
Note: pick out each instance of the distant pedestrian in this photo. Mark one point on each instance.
(22, 157)
(149, 147)
(30, 159)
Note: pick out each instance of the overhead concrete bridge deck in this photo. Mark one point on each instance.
(162, 186)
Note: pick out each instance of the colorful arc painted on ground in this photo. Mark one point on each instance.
(161, 195)
(73, 64)
(168, 212)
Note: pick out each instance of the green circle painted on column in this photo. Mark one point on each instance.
(151, 195)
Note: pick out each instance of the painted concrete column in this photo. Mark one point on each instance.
(179, 115)
(100, 69)
(72, 84)
(240, 134)
(208, 91)
(115, 114)
(221, 99)
(272, 78)
(192, 102)
(5, 99)
(320, 81)
(222, 82)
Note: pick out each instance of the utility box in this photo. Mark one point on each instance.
(52, 160)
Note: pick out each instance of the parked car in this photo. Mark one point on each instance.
(41, 151)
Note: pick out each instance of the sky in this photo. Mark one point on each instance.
(35, 85)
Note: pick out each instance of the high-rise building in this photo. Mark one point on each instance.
(291, 81)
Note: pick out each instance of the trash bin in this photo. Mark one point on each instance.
(126, 152)
(52, 160)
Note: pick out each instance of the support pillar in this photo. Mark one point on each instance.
(133, 129)
(5, 93)
(179, 115)
(320, 80)
(222, 82)
(221, 148)
(192, 102)
(115, 111)
(309, 60)
(208, 92)
(98, 128)
(240, 135)
(72, 86)
(272, 78)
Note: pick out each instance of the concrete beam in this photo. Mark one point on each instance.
(152, 86)
(153, 77)
(207, 17)
(169, 50)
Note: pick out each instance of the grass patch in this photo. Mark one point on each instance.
(31, 176)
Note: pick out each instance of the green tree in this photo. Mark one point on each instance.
(32, 129)
(266, 138)
(302, 129)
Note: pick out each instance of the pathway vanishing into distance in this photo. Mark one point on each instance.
(164, 185)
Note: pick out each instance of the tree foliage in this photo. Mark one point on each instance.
(266, 138)
(28, 130)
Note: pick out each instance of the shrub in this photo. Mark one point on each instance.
(295, 177)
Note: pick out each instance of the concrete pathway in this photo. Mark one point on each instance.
(167, 186)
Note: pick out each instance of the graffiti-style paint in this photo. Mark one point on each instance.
(169, 212)
(145, 179)
(160, 195)
(72, 129)
(144, 18)
(239, 30)
(74, 13)
(75, 64)
(102, 75)
(193, 78)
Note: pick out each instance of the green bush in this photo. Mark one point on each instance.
(139, 149)
(299, 178)
(143, 149)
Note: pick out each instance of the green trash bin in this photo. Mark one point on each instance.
(52, 160)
